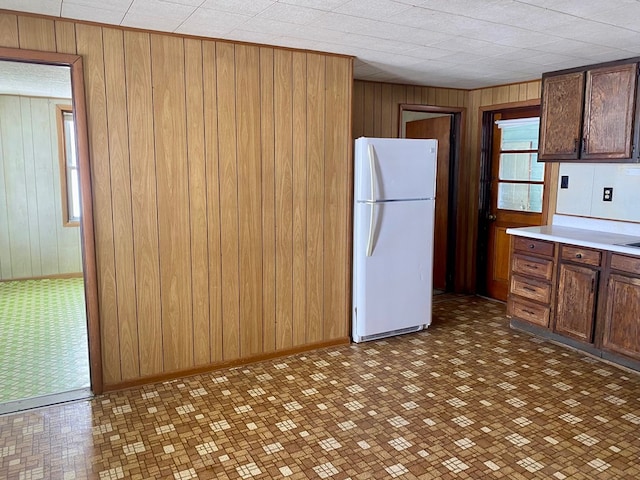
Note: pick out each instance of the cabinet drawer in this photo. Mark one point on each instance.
(625, 264)
(530, 245)
(581, 255)
(530, 312)
(538, 291)
(533, 267)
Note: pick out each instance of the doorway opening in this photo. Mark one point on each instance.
(513, 190)
(49, 334)
(444, 124)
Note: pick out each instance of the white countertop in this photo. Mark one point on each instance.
(602, 240)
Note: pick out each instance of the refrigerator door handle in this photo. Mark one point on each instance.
(372, 172)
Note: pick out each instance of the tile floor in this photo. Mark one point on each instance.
(469, 398)
(43, 338)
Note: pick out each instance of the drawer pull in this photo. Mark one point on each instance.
(528, 311)
(578, 255)
(529, 289)
(532, 246)
(533, 267)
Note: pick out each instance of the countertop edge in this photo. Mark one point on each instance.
(528, 233)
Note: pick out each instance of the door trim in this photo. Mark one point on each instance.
(455, 271)
(87, 236)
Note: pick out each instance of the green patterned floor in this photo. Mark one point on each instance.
(43, 338)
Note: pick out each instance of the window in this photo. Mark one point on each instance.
(520, 175)
(69, 177)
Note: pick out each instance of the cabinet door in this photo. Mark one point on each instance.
(622, 317)
(609, 110)
(561, 119)
(576, 301)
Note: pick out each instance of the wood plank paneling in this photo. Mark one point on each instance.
(227, 148)
(65, 37)
(137, 50)
(121, 201)
(267, 137)
(167, 64)
(218, 229)
(299, 105)
(282, 66)
(315, 193)
(249, 198)
(9, 30)
(336, 203)
(197, 201)
(35, 33)
(213, 199)
(89, 45)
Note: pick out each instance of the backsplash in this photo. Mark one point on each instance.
(584, 195)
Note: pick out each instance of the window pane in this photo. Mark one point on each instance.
(70, 139)
(521, 166)
(521, 197)
(74, 193)
(519, 134)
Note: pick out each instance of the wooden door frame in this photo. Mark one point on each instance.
(550, 183)
(87, 237)
(454, 271)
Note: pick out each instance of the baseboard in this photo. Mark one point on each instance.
(45, 277)
(226, 364)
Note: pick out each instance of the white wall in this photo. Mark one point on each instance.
(586, 183)
(33, 241)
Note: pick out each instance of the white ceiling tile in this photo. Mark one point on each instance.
(159, 9)
(291, 14)
(375, 9)
(163, 24)
(215, 22)
(243, 7)
(326, 5)
(92, 13)
(46, 7)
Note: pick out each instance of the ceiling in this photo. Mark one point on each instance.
(453, 43)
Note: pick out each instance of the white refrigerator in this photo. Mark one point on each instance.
(394, 210)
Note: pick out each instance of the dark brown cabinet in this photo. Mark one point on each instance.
(577, 290)
(531, 279)
(589, 114)
(561, 118)
(621, 333)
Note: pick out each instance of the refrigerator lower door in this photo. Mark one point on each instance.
(392, 288)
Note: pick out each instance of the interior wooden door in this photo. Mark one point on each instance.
(516, 191)
(440, 129)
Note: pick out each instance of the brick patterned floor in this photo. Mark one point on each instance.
(468, 398)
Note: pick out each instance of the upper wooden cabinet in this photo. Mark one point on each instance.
(561, 119)
(589, 115)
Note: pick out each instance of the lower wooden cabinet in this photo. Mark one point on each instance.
(589, 299)
(576, 305)
(621, 332)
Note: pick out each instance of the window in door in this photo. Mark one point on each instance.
(520, 175)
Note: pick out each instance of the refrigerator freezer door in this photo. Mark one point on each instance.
(393, 287)
(394, 169)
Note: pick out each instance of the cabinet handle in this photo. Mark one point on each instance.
(584, 144)
(578, 255)
(529, 289)
(532, 246)
(528, 311)
(533, 267)
(593, 284)
(575, 145)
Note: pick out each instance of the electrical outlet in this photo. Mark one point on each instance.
(564, 181)
(607, 194)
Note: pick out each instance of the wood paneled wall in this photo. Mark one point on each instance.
(376, 106)
(221, 177)
(33, 240)
(375, 114)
